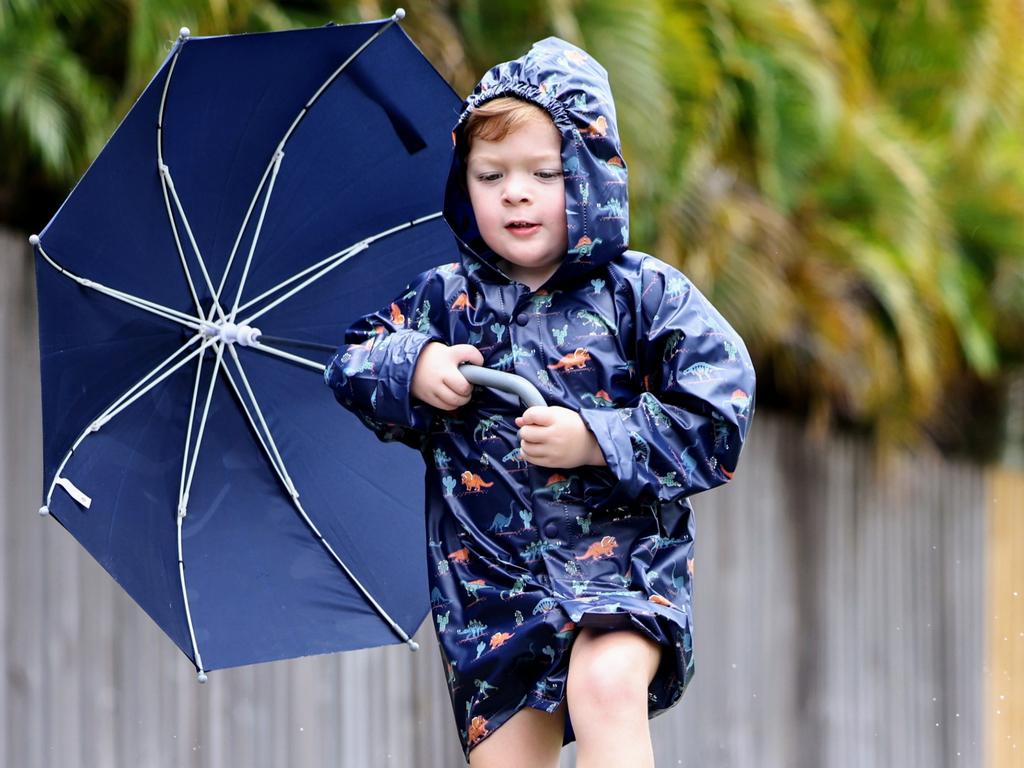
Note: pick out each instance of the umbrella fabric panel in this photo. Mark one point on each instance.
(350, 488)
(230, 102)
(89, 357)
(322, 310)
(113, 226)
(336, 180)
(131, 472)
(261, 586)
(189, 185)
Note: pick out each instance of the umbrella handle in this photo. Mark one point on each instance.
(506, 382)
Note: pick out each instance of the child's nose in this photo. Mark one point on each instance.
(516, 190)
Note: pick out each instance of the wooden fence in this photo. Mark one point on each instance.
(848, 614)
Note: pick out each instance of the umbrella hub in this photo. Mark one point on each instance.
(230, 333)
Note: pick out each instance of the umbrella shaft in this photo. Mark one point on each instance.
(298, 343)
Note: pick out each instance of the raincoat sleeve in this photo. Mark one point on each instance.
(371, 372)
(683, 433)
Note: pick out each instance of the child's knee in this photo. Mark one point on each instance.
(611, 671)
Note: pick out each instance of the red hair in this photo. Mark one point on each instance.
(495, 119)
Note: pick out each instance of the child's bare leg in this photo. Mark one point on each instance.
(529, 738)
(609, 672)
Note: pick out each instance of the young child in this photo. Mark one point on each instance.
(560, 539)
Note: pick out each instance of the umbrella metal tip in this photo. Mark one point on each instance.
(184, 32)
(201, 677)
(399, 14)
(33, 239)
(44, 510)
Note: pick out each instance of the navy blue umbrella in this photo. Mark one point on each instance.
(264, 188)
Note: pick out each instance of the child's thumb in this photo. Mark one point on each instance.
(535, 414)
(467, 353)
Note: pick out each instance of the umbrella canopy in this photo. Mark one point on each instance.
(264, 186)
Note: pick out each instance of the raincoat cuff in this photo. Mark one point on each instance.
(394, 402)
(615, 484)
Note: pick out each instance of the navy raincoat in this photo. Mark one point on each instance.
(521, 556)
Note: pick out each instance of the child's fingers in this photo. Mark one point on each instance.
(531, 434)
(467, 353)
(536, 453)
(458, 384)
(450, 397)
(536, 414)
(445, 400)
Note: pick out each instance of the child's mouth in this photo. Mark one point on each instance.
(522, 227)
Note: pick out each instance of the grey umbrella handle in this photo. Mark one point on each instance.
(506, 382)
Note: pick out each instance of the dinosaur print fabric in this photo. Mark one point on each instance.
(521, 556)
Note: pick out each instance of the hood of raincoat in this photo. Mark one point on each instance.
(573, 88)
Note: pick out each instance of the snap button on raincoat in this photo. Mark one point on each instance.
(521, 556)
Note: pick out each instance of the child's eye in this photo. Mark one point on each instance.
(549, 174)
(488, 176)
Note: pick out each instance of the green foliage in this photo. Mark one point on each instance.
(843, 178)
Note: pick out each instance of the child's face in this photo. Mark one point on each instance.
(518, 197)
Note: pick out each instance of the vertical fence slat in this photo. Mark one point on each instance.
(1004, 702)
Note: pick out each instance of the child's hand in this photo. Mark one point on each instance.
(437, 380)
(553, 436)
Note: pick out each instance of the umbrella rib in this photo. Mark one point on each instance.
(263, 423)
(340, 257)
(120, 404)
(333, 77)
(188, 433)
(275, 458)
(275, 167)
(275, 162)
(163, 182)
(163, 185)
(188, 609)
(183, 497)
(256, 429)
(181, 252)
(165, 174)
(241, 231)
(184, 491)
(327, 265)
(136, 301)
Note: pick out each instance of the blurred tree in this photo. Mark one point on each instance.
(843, 178)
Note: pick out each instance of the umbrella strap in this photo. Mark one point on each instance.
(74, 492)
